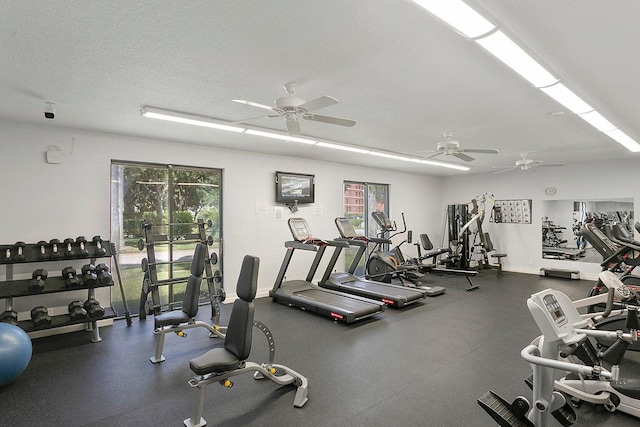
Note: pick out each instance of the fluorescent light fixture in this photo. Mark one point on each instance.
(442, 165)
(459, 15)
(389, 156)
(623, 139)
(189, 119)
(597, 120)
(280, 136)
(196, 120)
(471, 24)
(342, 147)
(566, 97)
(503, 48)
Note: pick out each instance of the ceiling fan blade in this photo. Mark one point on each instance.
(318, 103)
(551, 164)
(253, 104)
(477, 150)
(253, 118)
(510, 168)
(329, 119)
(464, 157)
(433, 155)
(293, 126)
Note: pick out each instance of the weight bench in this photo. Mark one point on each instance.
(179, 320)
(222, 363)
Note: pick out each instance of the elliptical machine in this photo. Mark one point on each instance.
(565, 340)
(384, 266)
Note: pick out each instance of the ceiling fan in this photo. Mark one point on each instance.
(293, 108)
(525, 164)
(449, 147)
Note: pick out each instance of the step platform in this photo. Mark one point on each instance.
(560, 273)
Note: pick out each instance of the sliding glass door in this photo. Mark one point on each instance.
(172, 199)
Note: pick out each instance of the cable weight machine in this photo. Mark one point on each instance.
(465, 235)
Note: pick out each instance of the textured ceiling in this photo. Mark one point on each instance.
(405, 77)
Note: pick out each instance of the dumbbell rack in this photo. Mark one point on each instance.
(32, 253)
(151, 284)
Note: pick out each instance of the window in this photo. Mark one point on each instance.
(360, 199)
(161, 194)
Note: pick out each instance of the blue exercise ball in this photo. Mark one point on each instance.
(15, 352)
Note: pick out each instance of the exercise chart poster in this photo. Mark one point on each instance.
(512, 211)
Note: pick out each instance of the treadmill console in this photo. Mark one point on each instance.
(345, 228)
(299, 229)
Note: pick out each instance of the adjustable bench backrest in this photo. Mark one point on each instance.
(239, 331)
(192, 291)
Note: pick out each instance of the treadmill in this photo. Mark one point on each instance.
(339, 306)
(392, 295)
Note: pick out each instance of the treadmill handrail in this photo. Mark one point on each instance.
(365, 240)
(310, 244)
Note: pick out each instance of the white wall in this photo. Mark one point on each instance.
(602, 180)
(43, 201)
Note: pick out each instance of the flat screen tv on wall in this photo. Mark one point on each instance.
(294, 188)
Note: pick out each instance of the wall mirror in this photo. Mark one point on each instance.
(561, 220)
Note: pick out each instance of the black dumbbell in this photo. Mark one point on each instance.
(40, 316)
(69, 276)
(76, 311)
(82, 246)
(68, 247)
(38, 277)
(93, 308)
(42, 249)
(100, 250)
(104, 275)
(9, 316)
(55, 248)
(89, 276)
(18, 249)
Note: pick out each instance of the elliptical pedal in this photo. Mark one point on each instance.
(504, 413)
(565, 415)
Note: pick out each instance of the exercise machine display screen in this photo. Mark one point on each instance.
(345, 228)
(299, 229)
(553, 307)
